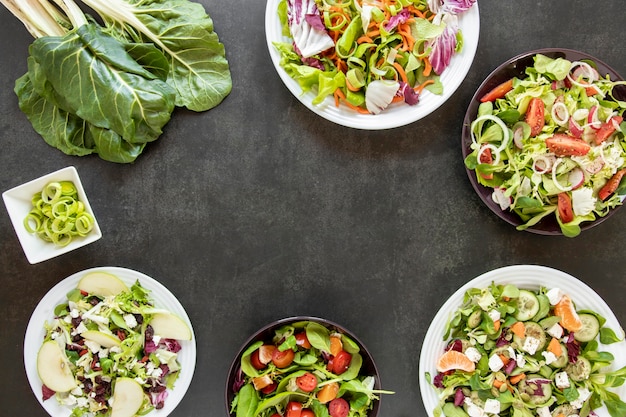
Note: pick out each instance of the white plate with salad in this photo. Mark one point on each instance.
(151, 295)
(472, 307)
(451, 66)
(543, 141)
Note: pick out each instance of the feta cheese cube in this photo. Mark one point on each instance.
(549, 357)
(555, 295)
(544, 411)
(555, 331)
(472, 409)
(520, 359)
(561, 380)
(130, 321)
(495, 363)
(494, 315)
(583, 395)
(531, 344)
(473, 354)
(492, 406)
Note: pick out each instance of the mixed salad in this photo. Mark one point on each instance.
(369, 53)
(105, 341)
(305, 370)
(514, 352)
(552, 144)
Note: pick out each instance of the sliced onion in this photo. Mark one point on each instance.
(592, 118)
(518, 136)
(575, 129)
(543, 163)
(495, 153)
(501, 125)
(560, 114)
(500, 198)
(554, 179)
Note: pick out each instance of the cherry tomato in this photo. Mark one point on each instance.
(535, 115)
(307, 382)
(338, 408)
(256, 363)
(564, 205)
(294, 409)
(307, 412)
(270, 388)
(565, 145)
(341, 362)
(486, 158)
(283, 359)
(302, 340)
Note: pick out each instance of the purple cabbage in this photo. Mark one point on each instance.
(510, 366)
(540, 382)
(455, 344)
(239, 382)
(410, 96)
(46, 393)
(459, 397)
(172, 345)
(306, 27)
(456, 6)
(438, 380)
(398, 19)
(573, 349)
(444, 45)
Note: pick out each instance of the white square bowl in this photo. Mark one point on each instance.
(18, 203)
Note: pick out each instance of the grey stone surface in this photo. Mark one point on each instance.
(259, 209)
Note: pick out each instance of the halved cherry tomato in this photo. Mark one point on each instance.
(341, 362)
(338, 408)
(307, 412)
(294, 409)
(283, 359)
(262, 356)
(535, 115)
(270, 388)
(486, 158)
(328, 392)
(566, 145)
(307, 382)
(498, 91)
(611, 186)
(254, 360)
(607, 129)
(302, 340)
(564, 205)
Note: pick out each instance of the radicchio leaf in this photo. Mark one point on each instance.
(456, 6)
(438, 380)
(444, 45)
(398, 19)
(459, 397)
(307, 28)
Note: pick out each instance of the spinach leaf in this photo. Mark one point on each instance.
(247, 401)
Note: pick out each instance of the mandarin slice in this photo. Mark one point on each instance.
(454, 359)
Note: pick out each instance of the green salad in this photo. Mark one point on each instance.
(514, 352)
(304, 370)
(552, 143)
(109, 351)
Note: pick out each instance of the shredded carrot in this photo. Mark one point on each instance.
(519, 329)
(351, 87)
(421, 87)
(364, 39)
(496, 325)
(397, 99)
(340, 97)
(517, 378)
(337, 96)
(497, 383)
(427, 67)
(401, 72)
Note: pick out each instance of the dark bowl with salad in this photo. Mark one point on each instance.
(303, 366)
(543, 141)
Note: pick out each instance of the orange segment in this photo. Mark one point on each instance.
(555, 347)
(335, 345)
(453, 359)
(569, 318)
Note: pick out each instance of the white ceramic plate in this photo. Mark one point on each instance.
(45, 312)
(395, 115)
(524, 276)
(18, 203)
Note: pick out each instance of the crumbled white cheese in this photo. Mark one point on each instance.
(473, 354)
(472, 409)
(492, 406)
(103, 353)
(544, 411)
(555, 331)
(583, 395)
(495, 363)
(130, 321)
(94, 347)
(115, 349)
(549, 357)
(531, 344)
(520, 359)
(74, 313)
(561, 380)
(554, 295)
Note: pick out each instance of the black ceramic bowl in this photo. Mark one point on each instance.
(267, 333)
(515, 67)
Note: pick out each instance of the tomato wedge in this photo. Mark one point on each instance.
(294, 409)
(535, 115)
(565, 145)
(498, 91)
(607, 129)
(283, 359)
(564, 205)
(307, 382)
(338, 408)
(611, 186)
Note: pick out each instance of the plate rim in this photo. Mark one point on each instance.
(508, 274)
(550, 225)
(35, 332)
(469, 23)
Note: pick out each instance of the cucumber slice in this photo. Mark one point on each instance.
(527, 305)
(474, 319)
(590, 329)
(579, 370)
(563, 410)
(544, 307)
(533, 330)
(528, 389)
(562, 360)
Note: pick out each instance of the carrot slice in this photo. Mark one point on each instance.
(519, 329)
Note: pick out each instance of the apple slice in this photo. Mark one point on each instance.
(170, 326)
(104, 339)
(128, 397)
(53, 368)
(101, 284)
